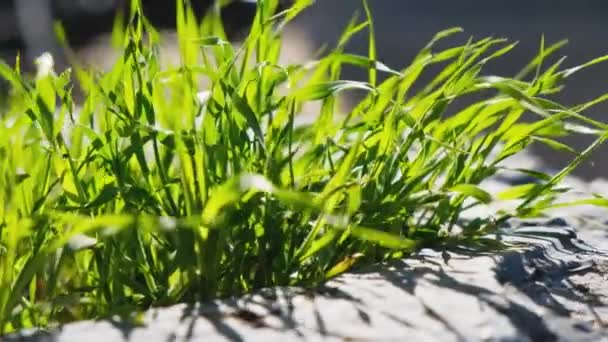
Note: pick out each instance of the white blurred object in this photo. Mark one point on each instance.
(203, 96)
(45, 65)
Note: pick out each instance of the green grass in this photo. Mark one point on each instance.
(153, 192)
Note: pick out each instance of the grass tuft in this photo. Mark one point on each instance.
(155, 190)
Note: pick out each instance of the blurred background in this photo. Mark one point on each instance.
(402, 28)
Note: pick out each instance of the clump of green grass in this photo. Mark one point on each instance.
(155, 191)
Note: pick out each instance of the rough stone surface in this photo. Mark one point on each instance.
(548, 292)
